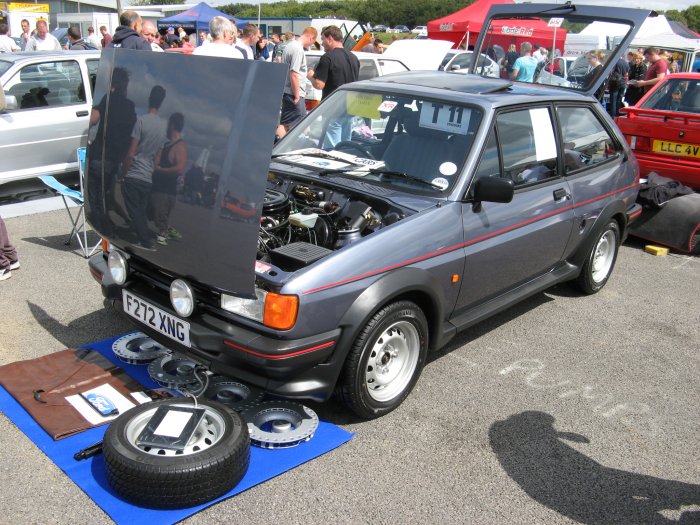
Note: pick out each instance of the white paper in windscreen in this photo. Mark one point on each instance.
(545, 144)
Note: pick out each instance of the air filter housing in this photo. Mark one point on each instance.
(298, 255)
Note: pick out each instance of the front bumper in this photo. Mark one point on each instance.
(297, 368)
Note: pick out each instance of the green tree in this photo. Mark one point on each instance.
(136, 3)
(692, 17)
(391, 12)
(674, 14)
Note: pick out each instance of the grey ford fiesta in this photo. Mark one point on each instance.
(400, 211)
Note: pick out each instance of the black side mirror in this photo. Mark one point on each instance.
(492, 189)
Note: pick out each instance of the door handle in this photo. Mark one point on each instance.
(560, 194)
(83, 113)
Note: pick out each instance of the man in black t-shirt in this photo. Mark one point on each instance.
(336, 67)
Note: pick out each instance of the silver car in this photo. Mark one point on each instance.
(48, 98)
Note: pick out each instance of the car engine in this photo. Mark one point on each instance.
(302, 223)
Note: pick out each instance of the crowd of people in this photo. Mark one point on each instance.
(627, 83)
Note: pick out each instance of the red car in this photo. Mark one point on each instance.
(663, 129)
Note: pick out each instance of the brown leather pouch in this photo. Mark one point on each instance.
(41, 386)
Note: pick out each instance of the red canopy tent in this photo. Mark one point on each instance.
(464, 26)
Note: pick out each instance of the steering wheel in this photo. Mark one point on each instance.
(349, 144)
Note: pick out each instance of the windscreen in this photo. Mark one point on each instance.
(675, 94)
(404, 141)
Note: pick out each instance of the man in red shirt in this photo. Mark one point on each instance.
(656, 71)
(106, 37)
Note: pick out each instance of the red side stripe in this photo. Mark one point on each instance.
(282, 356)
(469, 242)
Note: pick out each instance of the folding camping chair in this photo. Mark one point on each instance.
(78, 221)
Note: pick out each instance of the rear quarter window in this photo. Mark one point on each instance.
(586, 141)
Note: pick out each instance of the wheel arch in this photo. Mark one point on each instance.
(413, 284)
(616, 211)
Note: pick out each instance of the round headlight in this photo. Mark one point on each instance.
(182, 297)
(118, 267)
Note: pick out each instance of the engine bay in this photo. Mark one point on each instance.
(302, 222)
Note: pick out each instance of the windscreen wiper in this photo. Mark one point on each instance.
(340, 171)
(319, 155)
(403, 175)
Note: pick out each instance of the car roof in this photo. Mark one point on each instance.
(684, 76)
(359, 54)
(455, 86)
(33, 55)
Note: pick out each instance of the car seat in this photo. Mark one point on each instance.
(419, 150)
(690, 103)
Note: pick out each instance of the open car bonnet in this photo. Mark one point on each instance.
(186, 160)
(548, 26)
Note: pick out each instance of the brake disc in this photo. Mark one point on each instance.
(138, 349)
(280, 424)
(233, 394)
(174, 371)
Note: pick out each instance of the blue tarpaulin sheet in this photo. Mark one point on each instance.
(90, 475)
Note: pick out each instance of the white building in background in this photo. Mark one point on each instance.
(82, 13)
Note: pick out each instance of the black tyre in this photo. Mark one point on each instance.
(214, 461)
(601, 259)
(385, 361)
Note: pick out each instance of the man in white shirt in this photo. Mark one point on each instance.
(42, 40)
(293, 103)
(223, 37)
(92, 38)
(249, 39)
(26, 33)
(150, 33)
(7, 45)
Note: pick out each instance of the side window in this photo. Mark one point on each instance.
(586, 141)
(489, 165)
(92, 66)
(368, 69)
(47, 84)
(392, 66)
(463, 60)
(528, 145)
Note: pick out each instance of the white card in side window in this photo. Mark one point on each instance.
(545, 145)
(445, 117)
(387, 106)
(173, 423)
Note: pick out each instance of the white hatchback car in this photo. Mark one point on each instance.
(459, 61)
(48, 99)
(371, 65)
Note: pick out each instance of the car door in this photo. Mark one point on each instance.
(595, 164)
(509, 244)
(40, 136)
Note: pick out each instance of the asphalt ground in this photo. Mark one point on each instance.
(563, 409)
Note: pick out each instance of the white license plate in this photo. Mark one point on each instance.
(163, 322)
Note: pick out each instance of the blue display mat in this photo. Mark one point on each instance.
(90, 474)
